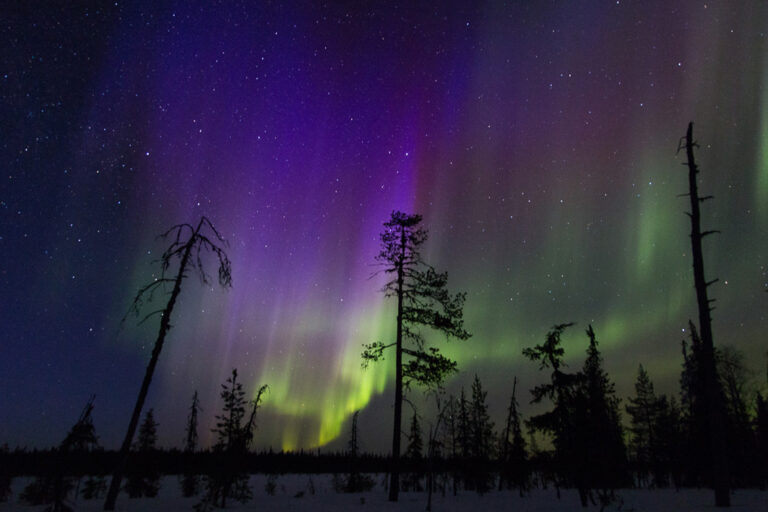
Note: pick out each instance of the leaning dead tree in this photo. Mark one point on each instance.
(715, 411)
(189, 245)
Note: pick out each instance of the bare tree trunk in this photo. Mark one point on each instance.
(714, 405)
(394, 483)
(165, 325)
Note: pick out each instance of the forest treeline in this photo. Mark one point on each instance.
(713, 432)
(586, 438)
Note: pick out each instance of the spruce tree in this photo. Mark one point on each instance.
(230, 479)
(481, 424)
(190, 481)
(601, 434)
(423, 301)
(560, 423)
(481, 438)
(143, 479)
(643, 411)
(147, 433)
(413, 453)
(234, 433)
(464, 438)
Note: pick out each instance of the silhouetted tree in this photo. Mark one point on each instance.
(712, 399)
(600, 434)
(464, 426)
(694, 418)
(353, 445)
(584, 424)
(415, 442)
(740, 435)
(5, 474)
(515, 471)
(559, 422)
(143, 478)
(450, 432)
(147, 439)
(761, 434)
(229, 478)
(413, 453)
(422, 301)
(188, 245)
(355, 481)
(190, 482)
(435, 442)
(190, 443)
(643, 413)
(55, 484)
(481, 439)
(670, 449)
(463, 440)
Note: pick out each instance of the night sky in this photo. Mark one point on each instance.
(537, 139)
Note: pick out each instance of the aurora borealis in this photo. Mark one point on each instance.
(537, 139)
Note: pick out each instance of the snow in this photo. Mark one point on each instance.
(293, 493)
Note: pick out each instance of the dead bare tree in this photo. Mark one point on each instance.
(189, 244)
(715, 410)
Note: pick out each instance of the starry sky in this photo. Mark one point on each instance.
(537, 139)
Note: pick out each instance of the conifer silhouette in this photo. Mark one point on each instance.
(423, 301)
(229, 478)
(54, 486)
(513, 455)
(355, 481)
(413, 453)
(143, 477)
(190, 482)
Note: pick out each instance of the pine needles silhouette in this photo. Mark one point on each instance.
(422, 301)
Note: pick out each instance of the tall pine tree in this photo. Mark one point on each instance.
(423, 301)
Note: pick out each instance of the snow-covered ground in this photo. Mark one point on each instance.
(294, 493)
